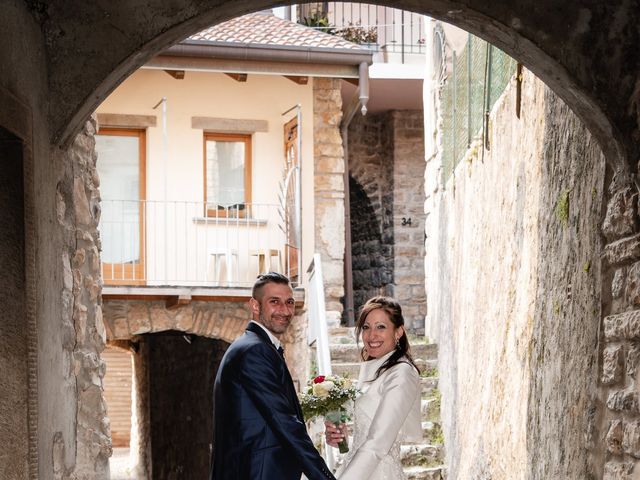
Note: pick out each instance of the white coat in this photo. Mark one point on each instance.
(385, 414)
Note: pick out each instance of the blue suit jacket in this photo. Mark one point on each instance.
(259, 432)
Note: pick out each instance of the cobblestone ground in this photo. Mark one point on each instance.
(120, 465)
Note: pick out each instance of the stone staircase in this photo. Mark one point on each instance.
(421, 461)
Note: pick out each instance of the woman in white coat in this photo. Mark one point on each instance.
(388, 410)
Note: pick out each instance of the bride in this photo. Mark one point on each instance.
(388, 410)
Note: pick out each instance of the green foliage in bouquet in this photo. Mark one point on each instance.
(327, 394)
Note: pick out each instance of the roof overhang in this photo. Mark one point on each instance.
(263, 59)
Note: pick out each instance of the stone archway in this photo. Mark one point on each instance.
(562, 49)
(564, 61)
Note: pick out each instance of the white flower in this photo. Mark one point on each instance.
(323, 389)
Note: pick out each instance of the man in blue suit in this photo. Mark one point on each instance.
(259, 432)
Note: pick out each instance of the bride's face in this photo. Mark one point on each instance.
(379, 334)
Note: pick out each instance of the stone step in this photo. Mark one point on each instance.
(350, 352)
(425, 473)
(342, 335)
(352, 369)
(430, 409)
(429, 386)
(423, 455)
(432, 433)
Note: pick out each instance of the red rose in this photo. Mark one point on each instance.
(319, 379)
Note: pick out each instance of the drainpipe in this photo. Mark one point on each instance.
(360, 99)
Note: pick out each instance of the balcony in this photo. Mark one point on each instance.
(174, 249)
(398, 35)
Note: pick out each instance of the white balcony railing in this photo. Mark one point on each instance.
(157, 243)
(388, 29)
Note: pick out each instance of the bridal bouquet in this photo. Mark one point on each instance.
(327, 396)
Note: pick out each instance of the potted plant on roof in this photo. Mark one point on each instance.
(365, 36)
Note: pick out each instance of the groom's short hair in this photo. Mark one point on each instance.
(265, 278)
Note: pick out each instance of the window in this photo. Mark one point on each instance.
(227, 174)
(121, 167)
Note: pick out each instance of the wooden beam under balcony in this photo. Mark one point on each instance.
(173, 296)
(238, 77)
(297, 79)
(177, 74)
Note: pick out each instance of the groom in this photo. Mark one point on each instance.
(259, 432)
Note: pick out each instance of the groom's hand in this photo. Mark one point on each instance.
(333, 434)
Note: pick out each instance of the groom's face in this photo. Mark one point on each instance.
(274, 308)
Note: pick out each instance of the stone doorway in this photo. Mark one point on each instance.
(13, 319)
(172, 416)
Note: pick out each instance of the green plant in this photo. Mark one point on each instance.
(358, 34)
(562, 208)
(319, 21)
(587, 266)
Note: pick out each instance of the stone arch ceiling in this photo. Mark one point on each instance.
(586, 51)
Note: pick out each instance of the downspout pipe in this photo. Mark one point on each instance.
(358, 101)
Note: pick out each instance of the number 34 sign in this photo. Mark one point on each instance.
(406, 221)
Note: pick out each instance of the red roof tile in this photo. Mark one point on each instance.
(265, 29)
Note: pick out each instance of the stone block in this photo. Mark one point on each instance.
(617, 471)
(633, 357)
(618, 283)
(81, 203)
(632, 290)
(621, 251)
(614, 437)
(327, 164)
(623, 401)
(612, 365)
(139, 318)
(631, 439)
(621, 217)
(622, 326)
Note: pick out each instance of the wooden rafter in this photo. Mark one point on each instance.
(297, 79)
(238, 77)
(177, 74)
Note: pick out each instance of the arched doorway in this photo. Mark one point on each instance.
(510, 38)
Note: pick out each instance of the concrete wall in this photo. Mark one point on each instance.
(37, 280)
(14, 433)
(513, 283)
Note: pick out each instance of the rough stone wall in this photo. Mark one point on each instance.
(329, 189)
(23, 112)
(614, 434)
(127, 319)
(386, 162)
(513, 284)
(566, 321)
(84, 452)
(371, 201)
(408, 216)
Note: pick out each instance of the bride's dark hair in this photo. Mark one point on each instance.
(394, 312)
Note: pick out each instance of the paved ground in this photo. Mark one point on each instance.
(120, 465)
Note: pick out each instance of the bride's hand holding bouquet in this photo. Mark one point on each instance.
(328, 397)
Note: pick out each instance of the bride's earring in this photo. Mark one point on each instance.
(397, 344)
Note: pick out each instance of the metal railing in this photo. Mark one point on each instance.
(479, 76)
(176, 243)
(317, 332)
(384, 28)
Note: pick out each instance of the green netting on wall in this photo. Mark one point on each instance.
(480, 75)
